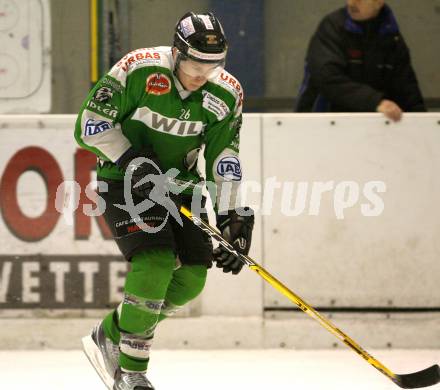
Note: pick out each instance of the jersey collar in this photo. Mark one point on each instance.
(182, 91)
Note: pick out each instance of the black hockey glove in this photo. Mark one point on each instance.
(139, 170)
(236, 227)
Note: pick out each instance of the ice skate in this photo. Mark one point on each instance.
(131, 380)
(102, 354)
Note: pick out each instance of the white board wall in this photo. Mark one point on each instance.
(381, 261)
(381, 250)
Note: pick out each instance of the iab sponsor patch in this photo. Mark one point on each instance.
(229, 168)
(96, 126)
(158, 84)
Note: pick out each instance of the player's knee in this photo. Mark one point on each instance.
(196, 279)
(151, 272)
(191, 280)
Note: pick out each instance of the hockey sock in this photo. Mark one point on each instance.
(187, 283)
(145, 288)
(111, 327)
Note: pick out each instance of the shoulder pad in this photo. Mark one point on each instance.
(233, 86)
(139, 58)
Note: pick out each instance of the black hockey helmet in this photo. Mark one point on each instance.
(200, 37)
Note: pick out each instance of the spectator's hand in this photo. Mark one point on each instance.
(390, 109)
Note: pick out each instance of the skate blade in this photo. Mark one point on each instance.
(95, 358)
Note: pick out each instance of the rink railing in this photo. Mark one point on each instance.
(347, 215)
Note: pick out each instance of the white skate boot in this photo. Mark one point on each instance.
(102, 354)
(131, 380)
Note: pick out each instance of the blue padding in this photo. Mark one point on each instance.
(243, 22)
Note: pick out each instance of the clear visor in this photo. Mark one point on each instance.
(200, 69)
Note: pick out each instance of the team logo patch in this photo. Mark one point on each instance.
(229, 168)
(158, 84)
(103, 95)
(94, 127)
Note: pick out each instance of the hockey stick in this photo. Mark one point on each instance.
(427, 377)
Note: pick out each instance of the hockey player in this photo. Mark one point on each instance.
(162, 104)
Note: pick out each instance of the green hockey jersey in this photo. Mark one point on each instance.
(140, 103)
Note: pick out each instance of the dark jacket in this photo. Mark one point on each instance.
(351, 66)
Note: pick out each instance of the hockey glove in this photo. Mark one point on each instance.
(140, 170)
(236, 227)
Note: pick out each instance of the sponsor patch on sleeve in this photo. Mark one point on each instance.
(106, 110)
(232, 85)
(113, 84)
(215, 105)
(229, 168)
(103, 95)
(133, 60)
(96, 126)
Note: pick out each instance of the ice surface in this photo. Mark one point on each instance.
(215, 370)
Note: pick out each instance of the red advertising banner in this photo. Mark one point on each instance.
(48, 258)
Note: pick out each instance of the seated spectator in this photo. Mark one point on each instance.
(358, 61)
